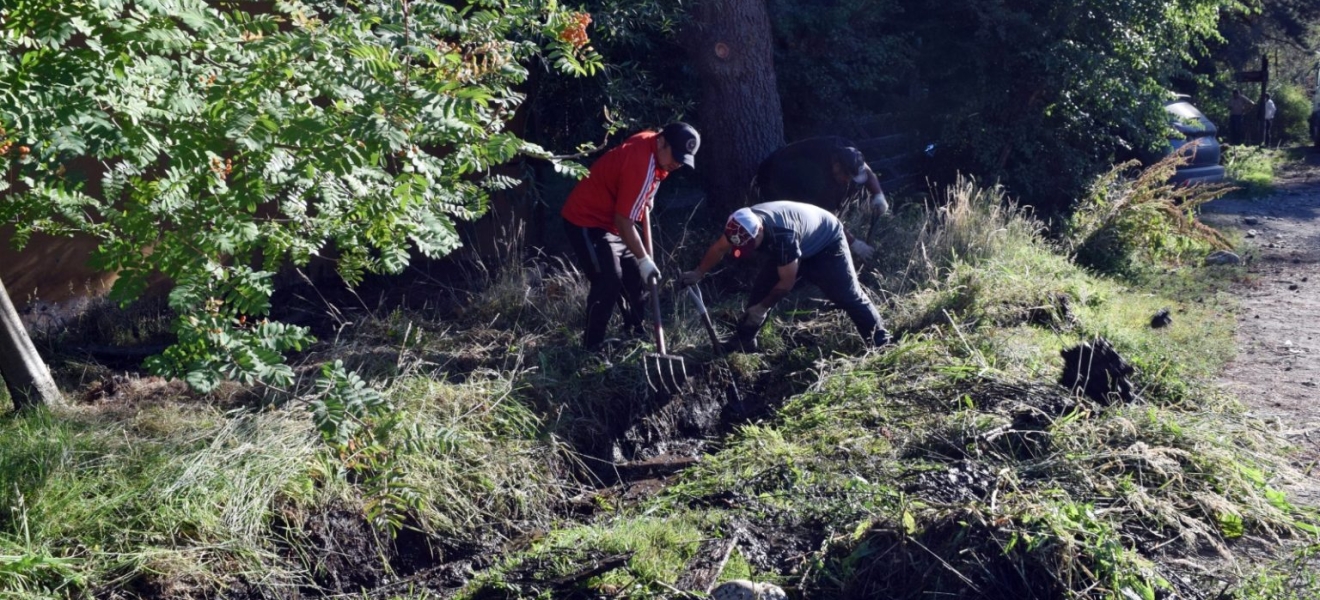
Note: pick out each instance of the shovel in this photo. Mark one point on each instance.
(664, 372)
(694, 293)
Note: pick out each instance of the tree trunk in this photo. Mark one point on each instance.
(25, 374)
(741, 119)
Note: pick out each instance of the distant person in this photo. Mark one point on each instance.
(1238, 107)
(823, 171)
(798, 241)
(602, 215)
(1314, 122)
(1269, 111)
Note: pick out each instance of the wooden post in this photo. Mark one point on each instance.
(25, 374)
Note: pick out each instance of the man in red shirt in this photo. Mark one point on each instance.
(602, 215)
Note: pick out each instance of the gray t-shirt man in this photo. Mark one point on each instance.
(795, 230)
(798, 241)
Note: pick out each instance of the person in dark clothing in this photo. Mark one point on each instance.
(829, 172)
(601, 219)
(1238, 107)
(1314, 122)
(799, 241)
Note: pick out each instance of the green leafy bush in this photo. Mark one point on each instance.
(1294, 108)
(232, 143)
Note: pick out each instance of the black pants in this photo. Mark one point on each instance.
(832, 271)
(1269, 131)
(1235, 126)
(615, 278)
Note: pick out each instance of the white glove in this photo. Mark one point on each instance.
(755, 316)
(689, 278)
(648, 268)
(879, 204)
(862, 250)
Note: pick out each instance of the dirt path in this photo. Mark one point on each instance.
(1277, 369)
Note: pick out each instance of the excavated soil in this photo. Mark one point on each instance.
(1277, 368)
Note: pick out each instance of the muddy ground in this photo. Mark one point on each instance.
(1276, 372)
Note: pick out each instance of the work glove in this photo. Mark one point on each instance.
(754, 317)
(648, 269)
(688, 278)
(879, 204)
(862, 250)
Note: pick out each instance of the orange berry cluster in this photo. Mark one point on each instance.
(7, 145)
(575, 32)
(222, 168)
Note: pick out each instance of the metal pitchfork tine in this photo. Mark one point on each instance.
(664, 372)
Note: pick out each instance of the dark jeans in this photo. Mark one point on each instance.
(1269, 131)
(1235, 124)
(832, 271)
(615, 279)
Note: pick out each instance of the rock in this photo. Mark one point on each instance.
(737, 589)
(741, 589)
(1251, 220)
(770, 591)
(1251, 233)
(1161, 319)
(1223, 257)
(1293, 287)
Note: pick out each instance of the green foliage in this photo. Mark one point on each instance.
(1037, 95)
(1290, 122)
(831, 61)
(344, 401)
(1250, 167)
(644, 79)
(1129, 223)
(231, 143)
(1074, 94)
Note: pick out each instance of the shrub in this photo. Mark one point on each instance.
(1294, 108)
(1125, 222)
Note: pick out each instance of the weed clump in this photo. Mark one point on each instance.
(1125, 224)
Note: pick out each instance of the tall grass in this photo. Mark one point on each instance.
(1126, 224)
(100, 497)
(1251, 168)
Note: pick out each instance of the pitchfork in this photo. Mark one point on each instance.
(664, 372)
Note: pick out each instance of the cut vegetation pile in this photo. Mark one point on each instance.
(960, 463)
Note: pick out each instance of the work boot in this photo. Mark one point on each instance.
(881, 338)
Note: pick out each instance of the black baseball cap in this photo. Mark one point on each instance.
(684, 141)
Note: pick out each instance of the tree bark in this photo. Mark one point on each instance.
(730, 43)
(25, 374)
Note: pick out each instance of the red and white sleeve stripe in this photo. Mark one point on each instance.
(645, 194)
